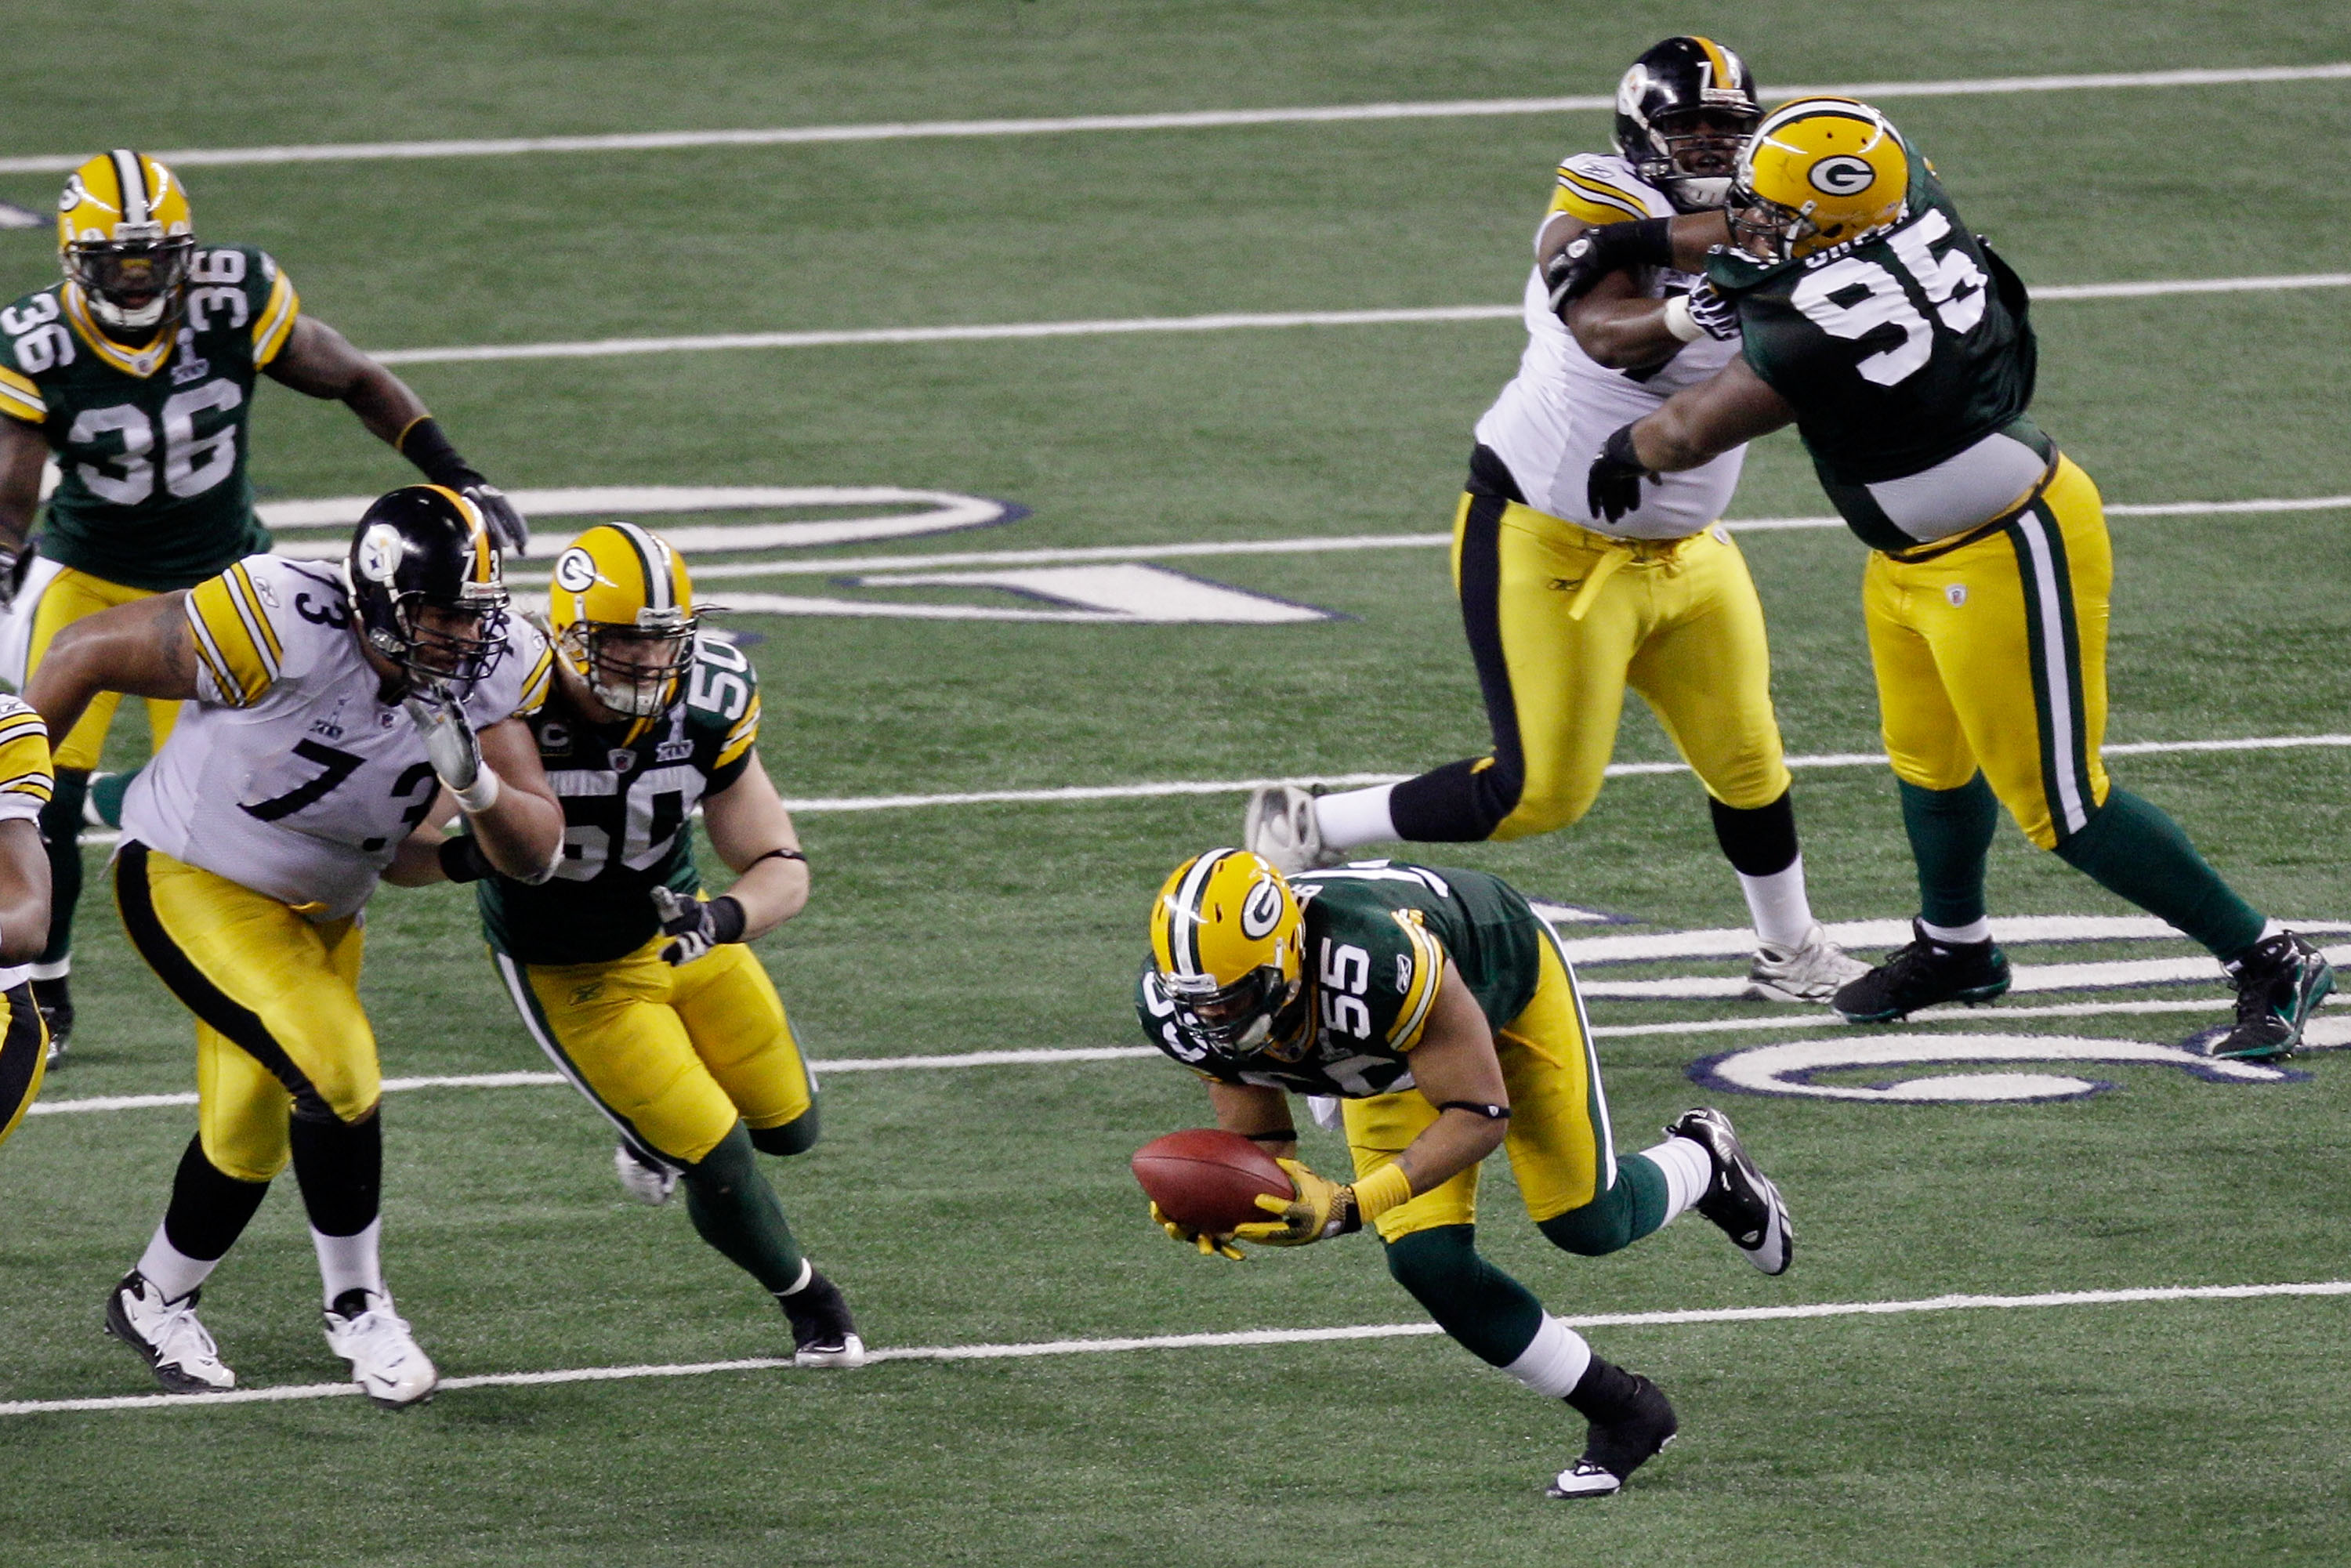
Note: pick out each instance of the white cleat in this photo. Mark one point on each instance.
(178, 1348)
(385, 1359)
(1812, 972)
(646, 1183)
(1278, 825)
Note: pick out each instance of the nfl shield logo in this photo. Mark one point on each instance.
(622, 760)
(1956, 593)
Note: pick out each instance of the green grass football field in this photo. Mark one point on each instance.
(988, 1205)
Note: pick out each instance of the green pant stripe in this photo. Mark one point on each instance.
(2054, 648)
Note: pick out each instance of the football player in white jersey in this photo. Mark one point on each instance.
(325, 712)
(1566, 608)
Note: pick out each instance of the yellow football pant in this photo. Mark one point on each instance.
(24, 1054)
(279, 1029)
(1559, 1143)
(1993, 656)
(1562, 619)
(674, 1056)
(73, 596)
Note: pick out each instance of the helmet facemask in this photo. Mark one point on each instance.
(1763, 228)
(634, 670)
(1263, 1013)
(147, 267)
(434, 649)
(1697, 153)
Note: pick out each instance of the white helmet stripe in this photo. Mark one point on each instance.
(1184, 923)
(132, 178)
(655, 556)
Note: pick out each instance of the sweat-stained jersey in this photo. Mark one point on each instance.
(1909, 361)
(289, 774)
(26, 779)
(629, 793)
(1379, 935)
(150, 440)
(1549, 422)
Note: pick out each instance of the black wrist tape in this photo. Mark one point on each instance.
(1649, 242)
(1286, 1136)
(1478, 1108)
(727, 920)
(424, 444)
(462, 859)
(1618, 448)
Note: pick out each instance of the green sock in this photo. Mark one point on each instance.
(1951, 834)
(1633, 1206)
(106, 793)
(2129, 847)
(736, 1210)
(1492, 1315)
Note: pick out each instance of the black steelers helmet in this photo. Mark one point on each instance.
(423, 548)
(1683, 110)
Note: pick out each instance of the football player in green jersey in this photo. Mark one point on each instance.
(137, 373)
(1438, 1011)
(1898, 344)
(639, 989)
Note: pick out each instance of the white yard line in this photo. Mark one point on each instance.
(1243, 1339)
(1191, 119)
(603, 347)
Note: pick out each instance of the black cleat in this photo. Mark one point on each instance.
(823, 1333)
(1740, 1200)
(1621, 1440)
(1923, 974)
(2278, 984)
(55, 999)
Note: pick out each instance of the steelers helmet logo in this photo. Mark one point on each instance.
(1843, 175)
(575, 572)
(1261, 911)
(379, 553)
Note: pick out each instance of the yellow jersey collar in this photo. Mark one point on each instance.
(141, 362)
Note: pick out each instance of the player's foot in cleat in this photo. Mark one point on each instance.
(645, 1182)
(385, 1359)
(178, 1348)
(1631, 1421)
(2278, 984)
(1812, 971)
(1278, 825)
(54, 998)
(823, 1333)
(1923, 974)
(1740, 1200)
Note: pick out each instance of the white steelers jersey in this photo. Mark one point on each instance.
(288, 774)
(1550, 422)
(26, 779)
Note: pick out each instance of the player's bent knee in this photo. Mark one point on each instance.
(1539, 812)
(796, 1137)
(1599, 1228)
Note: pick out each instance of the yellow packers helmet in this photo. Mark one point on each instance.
(1818, 172)
(1227, 936)
(621, 608)
(125, 237)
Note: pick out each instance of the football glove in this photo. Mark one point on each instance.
(15, 565)
(1601, 249)
(1716, 315)
(1613, 487)
(694, 926)
(452, 746)
(1210, 1244)
(1321, 1210)
(508, 531)
(425, 444)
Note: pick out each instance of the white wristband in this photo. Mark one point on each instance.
(482, 794)
(1680, 322)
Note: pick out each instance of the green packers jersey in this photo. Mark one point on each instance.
(1378, 938)
(1898, 353)
(151, 441)
(629, 792)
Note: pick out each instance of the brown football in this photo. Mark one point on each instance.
(1210, 1179)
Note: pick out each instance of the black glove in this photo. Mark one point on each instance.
(696, 927)
(1718, 318)
(15, 565)
(426, 446)
(1598, 251)
(1613, 487)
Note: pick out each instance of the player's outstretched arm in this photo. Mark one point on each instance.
(143, 649)
(1612, 322)
(521, 829)
(753, 835)
(24, 892)
(1695, 425)
(321, 362)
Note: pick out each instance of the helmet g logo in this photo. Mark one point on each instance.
(379, 553)
(1261, 911)
(576, 572)
(1843, 175)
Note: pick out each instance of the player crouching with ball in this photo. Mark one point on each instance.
(1378, 984)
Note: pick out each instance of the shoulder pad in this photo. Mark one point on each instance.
(37, 341)
(721, 684)
(1601, 188)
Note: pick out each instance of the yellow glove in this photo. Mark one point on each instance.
(1321, 1210)
(1209, 1245)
